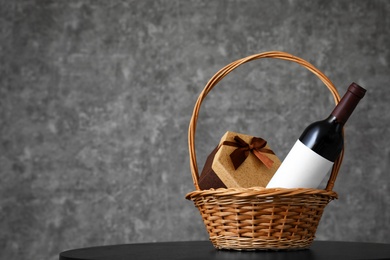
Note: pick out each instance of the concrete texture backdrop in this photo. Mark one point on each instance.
(96, 97)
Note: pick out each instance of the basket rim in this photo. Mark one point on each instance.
(260, 192)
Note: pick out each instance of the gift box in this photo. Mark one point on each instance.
(239, 161)
(208, 179)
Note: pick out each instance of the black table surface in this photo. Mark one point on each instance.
(204, 250)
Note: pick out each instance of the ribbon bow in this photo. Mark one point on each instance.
(256, 146)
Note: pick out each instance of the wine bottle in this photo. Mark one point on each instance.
(320, 144)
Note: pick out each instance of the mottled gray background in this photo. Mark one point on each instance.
(96, 97)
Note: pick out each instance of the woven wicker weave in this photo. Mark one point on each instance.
(259, 218)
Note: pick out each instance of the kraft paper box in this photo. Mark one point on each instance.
(252, 171)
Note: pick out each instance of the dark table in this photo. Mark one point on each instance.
(204, 250)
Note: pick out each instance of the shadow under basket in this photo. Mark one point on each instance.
(258, 218)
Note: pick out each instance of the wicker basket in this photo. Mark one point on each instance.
(259, 218)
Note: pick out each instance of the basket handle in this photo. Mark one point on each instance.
(229, 68)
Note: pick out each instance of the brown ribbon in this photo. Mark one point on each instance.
(256, 146)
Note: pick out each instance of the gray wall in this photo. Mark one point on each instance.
(96, 96)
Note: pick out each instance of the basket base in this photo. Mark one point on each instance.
(250, 244)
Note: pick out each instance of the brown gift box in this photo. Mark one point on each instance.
(208, 179)
(219, 170)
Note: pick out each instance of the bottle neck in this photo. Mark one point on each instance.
(337, 125)
(348, 103)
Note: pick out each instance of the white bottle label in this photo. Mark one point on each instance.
(302, 168)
